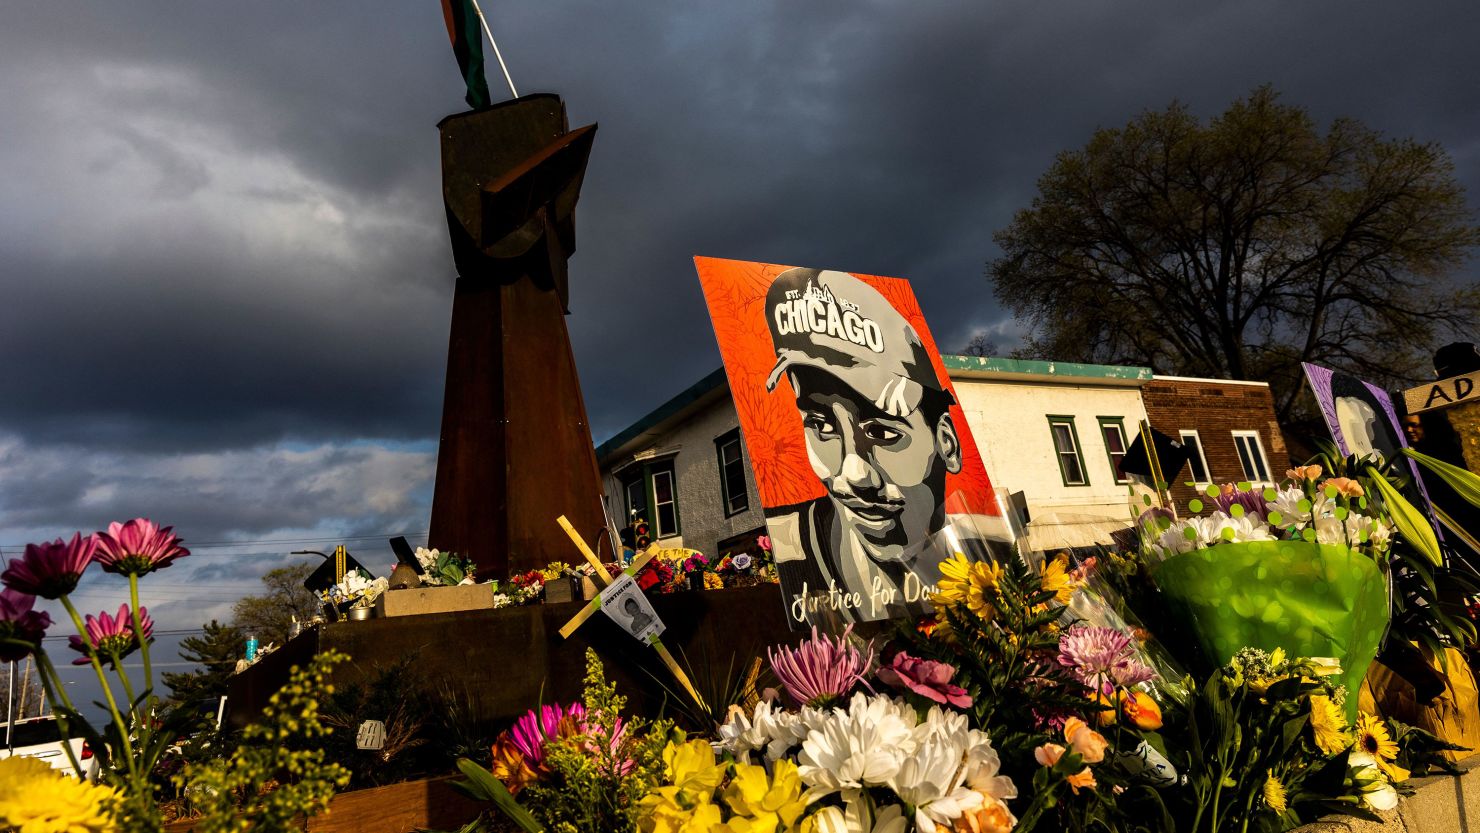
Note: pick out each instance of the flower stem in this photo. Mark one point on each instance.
(133, 597)
(52, 685)
(92, 652)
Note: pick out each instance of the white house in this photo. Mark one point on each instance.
(1052, 431)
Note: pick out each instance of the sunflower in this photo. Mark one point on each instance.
(1328, 724)
(973, 583)
(1056, 578)
(1373, 738)
(1274, 793)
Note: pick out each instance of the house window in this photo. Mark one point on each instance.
(1066, 447)
(1113, 430)
(1196, 459)
(732, 473)
(1251, 456)
(651, 495)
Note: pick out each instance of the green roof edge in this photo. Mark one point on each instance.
(994, 364)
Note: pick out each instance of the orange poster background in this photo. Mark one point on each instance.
(735, 291)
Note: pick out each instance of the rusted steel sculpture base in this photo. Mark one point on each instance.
(516, 448)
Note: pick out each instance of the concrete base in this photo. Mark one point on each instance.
(1440, 804)
(416, 601)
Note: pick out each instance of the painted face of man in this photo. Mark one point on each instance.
(885, 475)
(1413, 427)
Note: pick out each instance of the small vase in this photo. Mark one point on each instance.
(696, 580)
(360, 614)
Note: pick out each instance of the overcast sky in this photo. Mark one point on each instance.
(225, 283)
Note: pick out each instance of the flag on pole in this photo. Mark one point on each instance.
(467, 44)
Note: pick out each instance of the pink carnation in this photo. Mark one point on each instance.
(926, 678)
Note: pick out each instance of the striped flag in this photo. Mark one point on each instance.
(467, 45)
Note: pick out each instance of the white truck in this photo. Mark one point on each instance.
(41, 738)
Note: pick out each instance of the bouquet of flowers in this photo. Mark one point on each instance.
(445, 568)
(1300, 567)
(356, 590)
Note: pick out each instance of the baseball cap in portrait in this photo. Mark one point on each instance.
(837, 323)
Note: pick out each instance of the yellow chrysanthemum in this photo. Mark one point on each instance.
(1056, 578)
(1374, 739)
(38, 799)
(1328, 724)
(762, 804)
(972, 583)
(1274, 793)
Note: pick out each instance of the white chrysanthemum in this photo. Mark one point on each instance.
(1287, 503)
(863, 745)
(933, 782)
(1246, 528)
(1174, 541)
(427, 558)
(857, 819)
(982, 765)
(768, 728)
(940, 723)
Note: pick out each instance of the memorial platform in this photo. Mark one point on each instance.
(509, 659)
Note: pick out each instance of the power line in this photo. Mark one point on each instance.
(193, 546)
(386, 536)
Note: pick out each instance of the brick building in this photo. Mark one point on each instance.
(1229, 426)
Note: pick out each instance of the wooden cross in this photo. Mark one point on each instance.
(604, 578)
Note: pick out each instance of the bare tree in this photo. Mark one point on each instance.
(1242, 247)
(29, 698)
(270, 616)
(980, 345)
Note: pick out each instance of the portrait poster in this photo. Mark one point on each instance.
(623, 602)
(866, 468)
(1362, 419)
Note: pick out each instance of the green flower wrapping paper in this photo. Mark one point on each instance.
(1313, 600)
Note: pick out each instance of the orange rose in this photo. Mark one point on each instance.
(1107, 715)
(1081, 779)
(1312, 472)
(1087, 742)
(992, 817)
(1142, 711)
(1345, 486)
(1048, 754)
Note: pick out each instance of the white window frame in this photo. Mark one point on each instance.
(1118, 423)
(1068, 421)
(658, 531)
(1263, 458)
(1202, 455)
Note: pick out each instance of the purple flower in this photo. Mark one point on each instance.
(113, 636)
(1101, 658)
(50, 570)
(926, 678)
(1252, 501)
(741, 561)
(821, 670)
(19, 623)
(530, 732)
(138, 547)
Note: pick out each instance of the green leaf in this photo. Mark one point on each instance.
(483, 786)
(1411, 523)
(1462, 481)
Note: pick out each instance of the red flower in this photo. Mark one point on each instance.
(138, 547)
(19, 623)
(113, 636)
(50, 570)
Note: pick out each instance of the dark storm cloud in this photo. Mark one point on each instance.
(220, 230)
